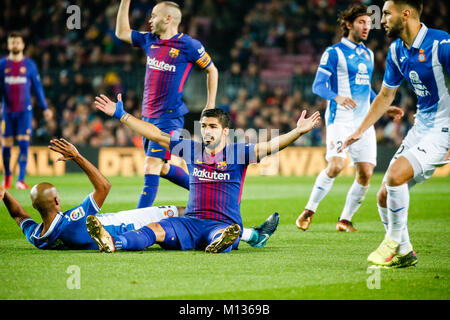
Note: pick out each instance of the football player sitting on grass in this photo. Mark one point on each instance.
(67, 230)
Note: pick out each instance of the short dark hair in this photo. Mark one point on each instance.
(221, 115)
(416, 4)
(15, 34)
(350, 15)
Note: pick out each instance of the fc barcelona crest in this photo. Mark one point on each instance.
(222, 166)
(173, 53)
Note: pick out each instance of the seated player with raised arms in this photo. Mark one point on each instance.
(212, 220)
(67, 230)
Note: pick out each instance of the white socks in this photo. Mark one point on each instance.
(246, 234)
(321, 188)
(355, 197)
(405, 244)
(395, 219)
(384, 216)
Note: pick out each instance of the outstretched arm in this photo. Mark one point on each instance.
(98, 180)
(304, 125)
(212, 80)
(123, 29)
(380, 105)
(148, 130)
(14, 208)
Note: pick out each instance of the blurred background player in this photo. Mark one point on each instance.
(422, 57)
(212, 220)
(18, 75)
(170, 57)
(344, 79)
(67, 230)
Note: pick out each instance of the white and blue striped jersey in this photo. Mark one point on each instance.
(424, 66)
(349, 66)
(67, 230)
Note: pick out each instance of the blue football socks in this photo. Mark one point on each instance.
(6, 155)
(135, 239)
(23, 158)
(148, 195)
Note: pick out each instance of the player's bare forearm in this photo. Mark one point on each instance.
(147, 130)
(380, 105)
(212, 80)
(99, 181)
(123, 29)
(16, 211)
(263, 149)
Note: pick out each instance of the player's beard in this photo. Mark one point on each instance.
(15, 52)
(396, 29)
(212, 144)
(357, 36)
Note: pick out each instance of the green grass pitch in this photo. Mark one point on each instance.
(317, 264)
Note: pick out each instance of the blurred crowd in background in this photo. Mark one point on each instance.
(267, 53)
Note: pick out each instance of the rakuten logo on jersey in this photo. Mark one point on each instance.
(160, 65)
(204, 175)
(15, 80)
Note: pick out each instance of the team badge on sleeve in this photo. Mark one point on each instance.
(77, 214)
(324, 58)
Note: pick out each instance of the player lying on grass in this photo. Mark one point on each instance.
(212, 220)
(67, 230)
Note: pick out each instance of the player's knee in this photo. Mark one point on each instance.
(160, 233)
(153, 165)
(165, 169)
(7, 142)
(364, 176)
(382, 196)
(23, 137)
(393, 179)
(334, 169)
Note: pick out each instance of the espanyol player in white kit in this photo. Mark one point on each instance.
(421, 56)
(344, 79)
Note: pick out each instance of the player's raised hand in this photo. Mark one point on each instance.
(395, 112)
(347, 103)
(351, 139)
(65, 148)
(111, 108)
(306, 124)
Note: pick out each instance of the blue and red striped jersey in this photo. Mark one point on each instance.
(215, 181)
(169, 63)
(17, 78)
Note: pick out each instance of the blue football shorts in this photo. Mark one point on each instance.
(153, 149)
(187, 233)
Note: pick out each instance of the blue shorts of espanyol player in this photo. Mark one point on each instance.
(153, 149)
(17, 123)
(187, 233)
